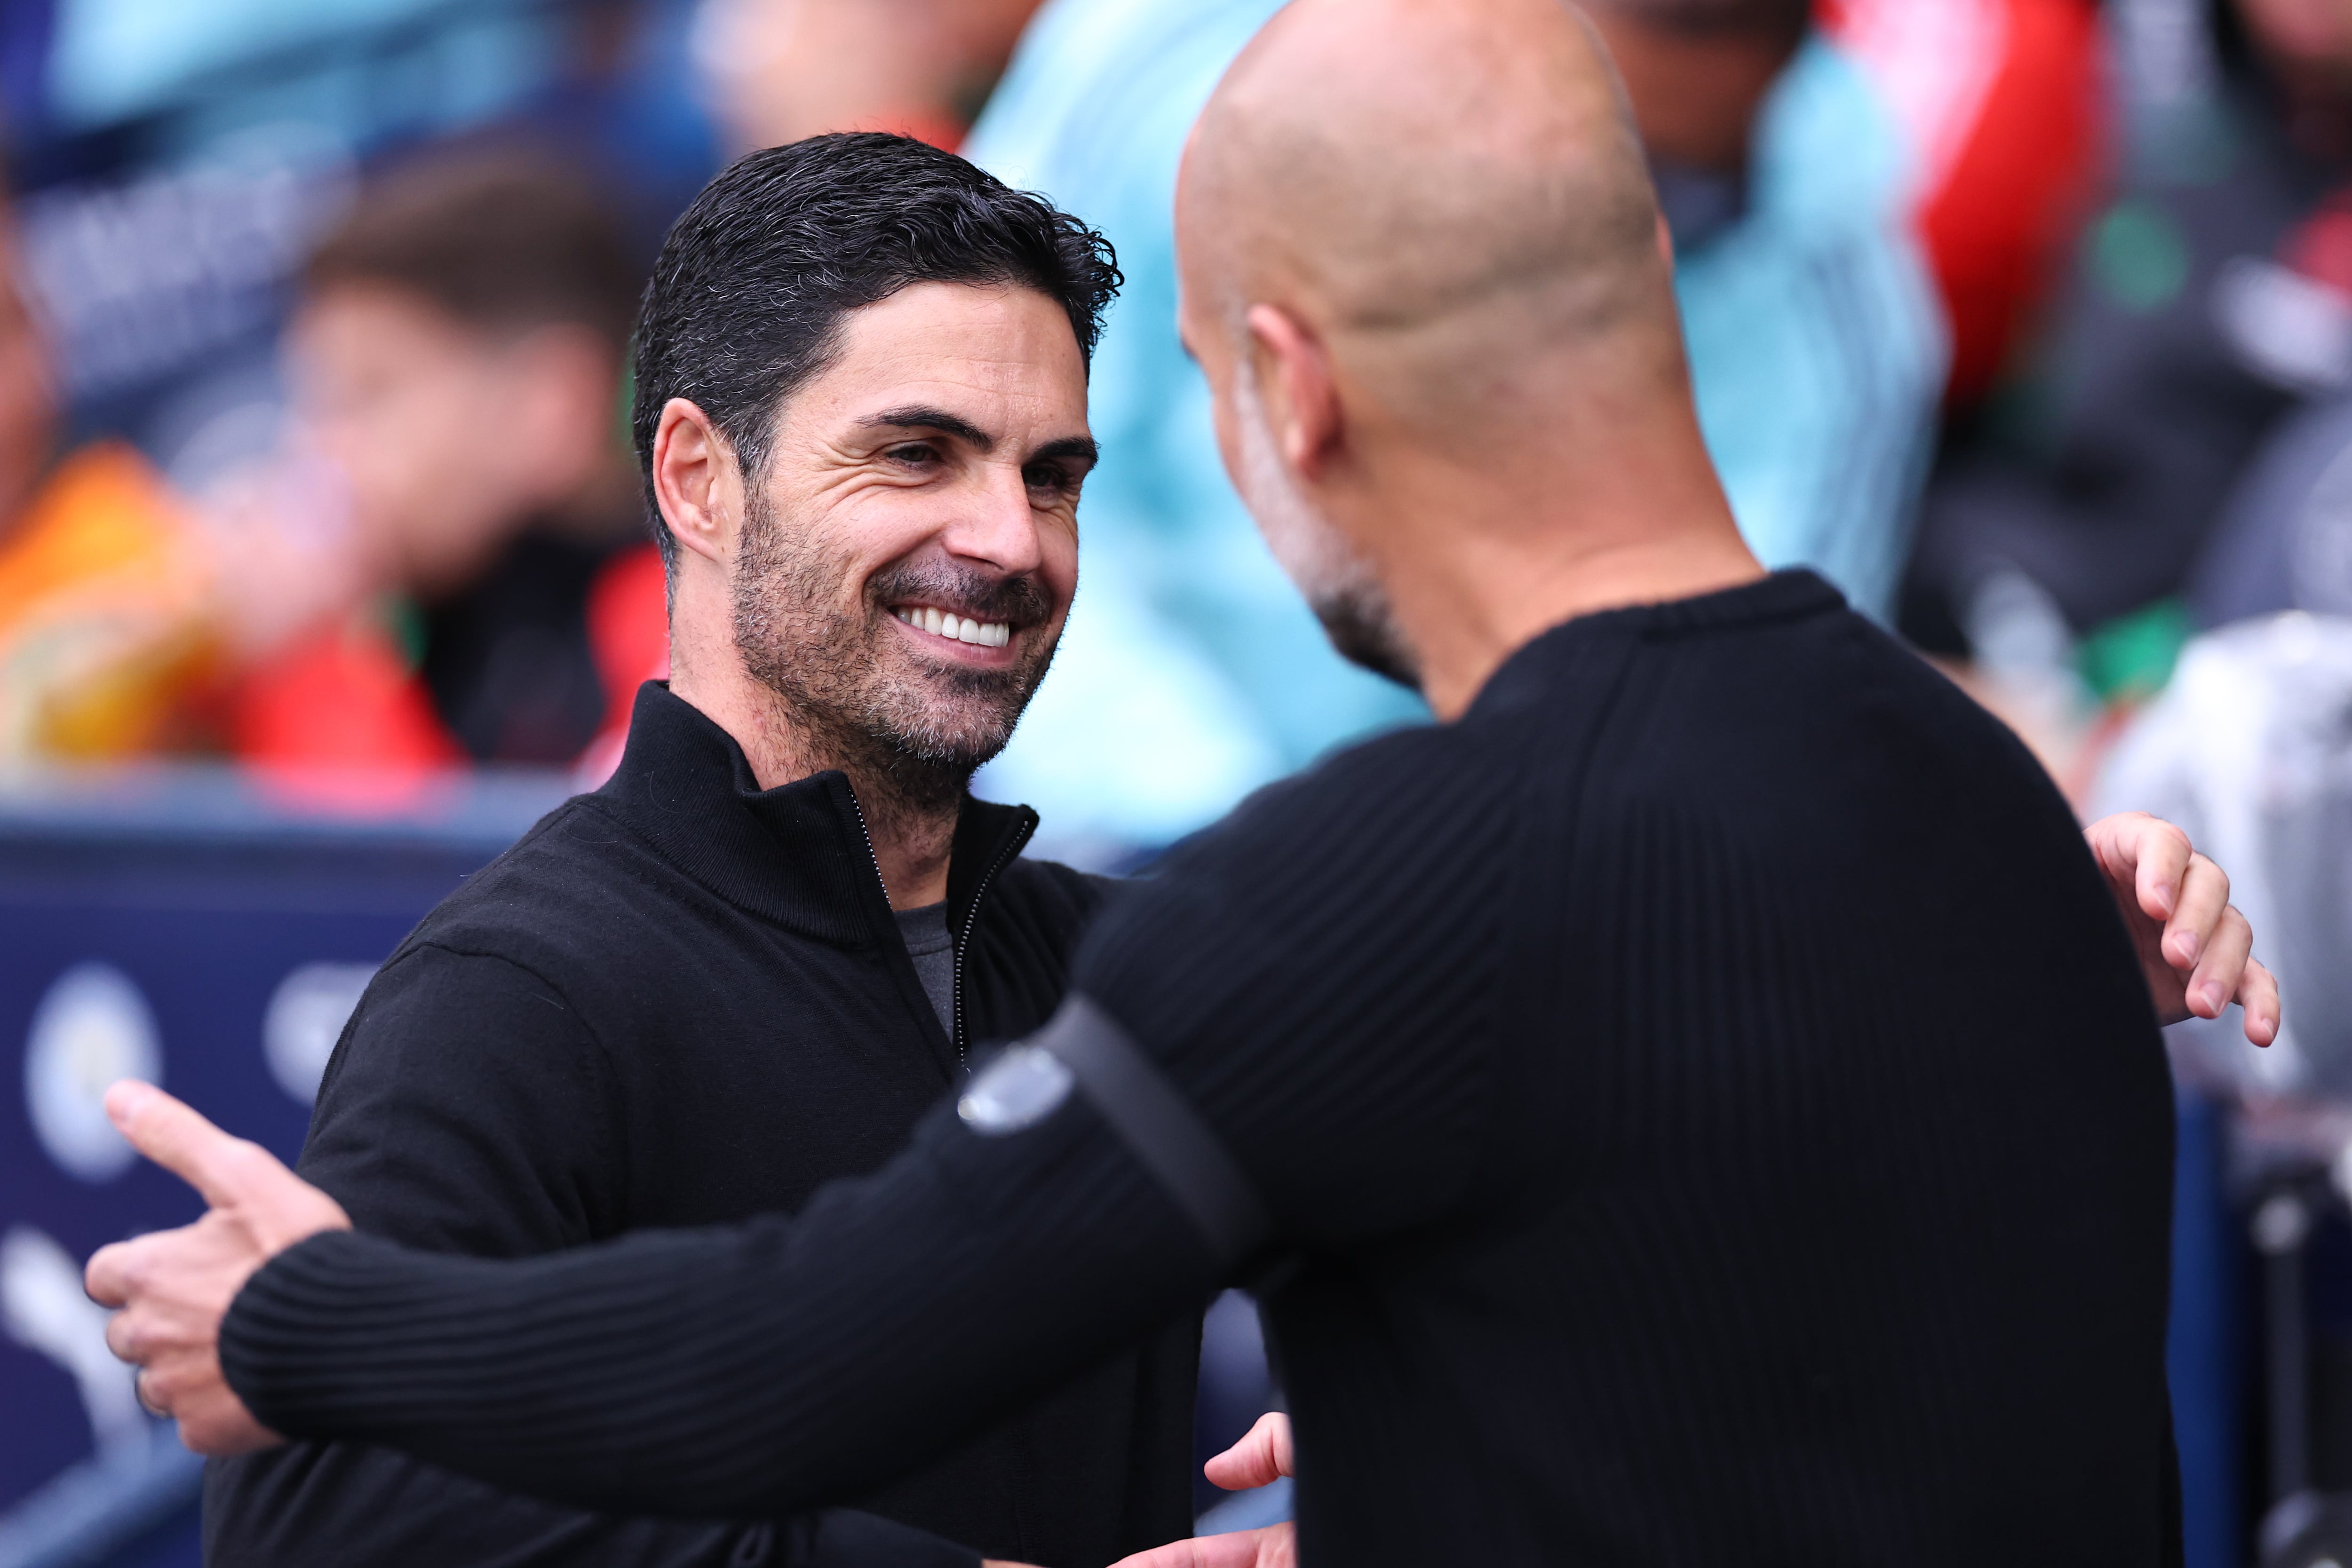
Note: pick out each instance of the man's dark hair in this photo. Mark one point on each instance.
(499, 237)
(748, 296)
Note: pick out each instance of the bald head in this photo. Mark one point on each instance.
(1422, 270)
(1452, 191)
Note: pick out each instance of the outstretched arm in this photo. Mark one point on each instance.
(746, 1372)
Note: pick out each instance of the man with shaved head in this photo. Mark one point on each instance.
(1696, 1103)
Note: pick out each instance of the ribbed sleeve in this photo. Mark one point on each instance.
(746, 1372)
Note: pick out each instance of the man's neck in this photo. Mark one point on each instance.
(910, 842)
(1519, 560)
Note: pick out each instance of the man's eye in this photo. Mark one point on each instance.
(914, 454)
(1052, 480)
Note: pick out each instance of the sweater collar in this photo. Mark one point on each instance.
(1789, 594)
(797, 854)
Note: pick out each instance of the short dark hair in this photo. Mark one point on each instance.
(748, 296)
(499, 237)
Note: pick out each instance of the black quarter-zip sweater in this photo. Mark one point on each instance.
(680, 1000)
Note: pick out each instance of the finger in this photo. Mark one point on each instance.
(2215, 980)
(151, 1399)
(1238, 1549)
(220, 1167)
(123, 1336)
(1261, 1455)
(2198, 911)
(2145, 852)
(2160, 856)
(107, 1278)
(2258, 994)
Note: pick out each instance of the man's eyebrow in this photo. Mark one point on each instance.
(1068, 446)
(939, 419)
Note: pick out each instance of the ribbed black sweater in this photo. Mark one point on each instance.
(1705, 1095)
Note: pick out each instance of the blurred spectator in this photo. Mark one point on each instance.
(457, 358)
(106, 644)
(2213, 298)
(1817, 345)
(2001, 101)
(777, 71)
(1191, 672)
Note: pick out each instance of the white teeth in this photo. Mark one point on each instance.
(959, 628)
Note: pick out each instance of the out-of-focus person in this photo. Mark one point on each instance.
(1191, 672)
(457, 365)
(778, 71)
(2212, 301)
(2002, 103)
(107, 644)
(1817, 342)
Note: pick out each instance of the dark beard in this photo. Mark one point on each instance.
(911, 736)
(1363, 633)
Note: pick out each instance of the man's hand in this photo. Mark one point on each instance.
(2195, 949)
(174, 1286)
(1257, 1459)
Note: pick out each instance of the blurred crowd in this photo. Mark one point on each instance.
(2027, 322)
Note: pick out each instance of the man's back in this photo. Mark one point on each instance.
(1762, 1171)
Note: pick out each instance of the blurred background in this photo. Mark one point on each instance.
(2029, 322)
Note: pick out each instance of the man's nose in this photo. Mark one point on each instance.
(996, 525)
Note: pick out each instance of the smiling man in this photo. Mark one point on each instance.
(748, 963)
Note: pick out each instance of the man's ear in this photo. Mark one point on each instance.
(698, 483)
(1302, 400)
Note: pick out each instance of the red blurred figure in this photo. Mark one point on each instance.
(2004, 104)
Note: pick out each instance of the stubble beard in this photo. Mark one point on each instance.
(910, 734)
(1338, 584)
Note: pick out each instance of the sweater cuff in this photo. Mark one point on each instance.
(278, 1348)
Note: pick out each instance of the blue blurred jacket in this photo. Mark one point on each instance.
(1191, 672)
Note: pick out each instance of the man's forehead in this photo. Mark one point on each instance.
(998, 323)
(985, 354)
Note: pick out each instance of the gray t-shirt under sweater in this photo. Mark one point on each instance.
(925, 931)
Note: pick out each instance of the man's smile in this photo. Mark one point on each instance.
(954, 628)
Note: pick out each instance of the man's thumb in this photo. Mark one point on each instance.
(1258, 1460)
(175, 1137)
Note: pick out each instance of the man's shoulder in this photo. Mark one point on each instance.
(1050, 889)
(1043, 908)
(566, 896)
(1359, 806)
